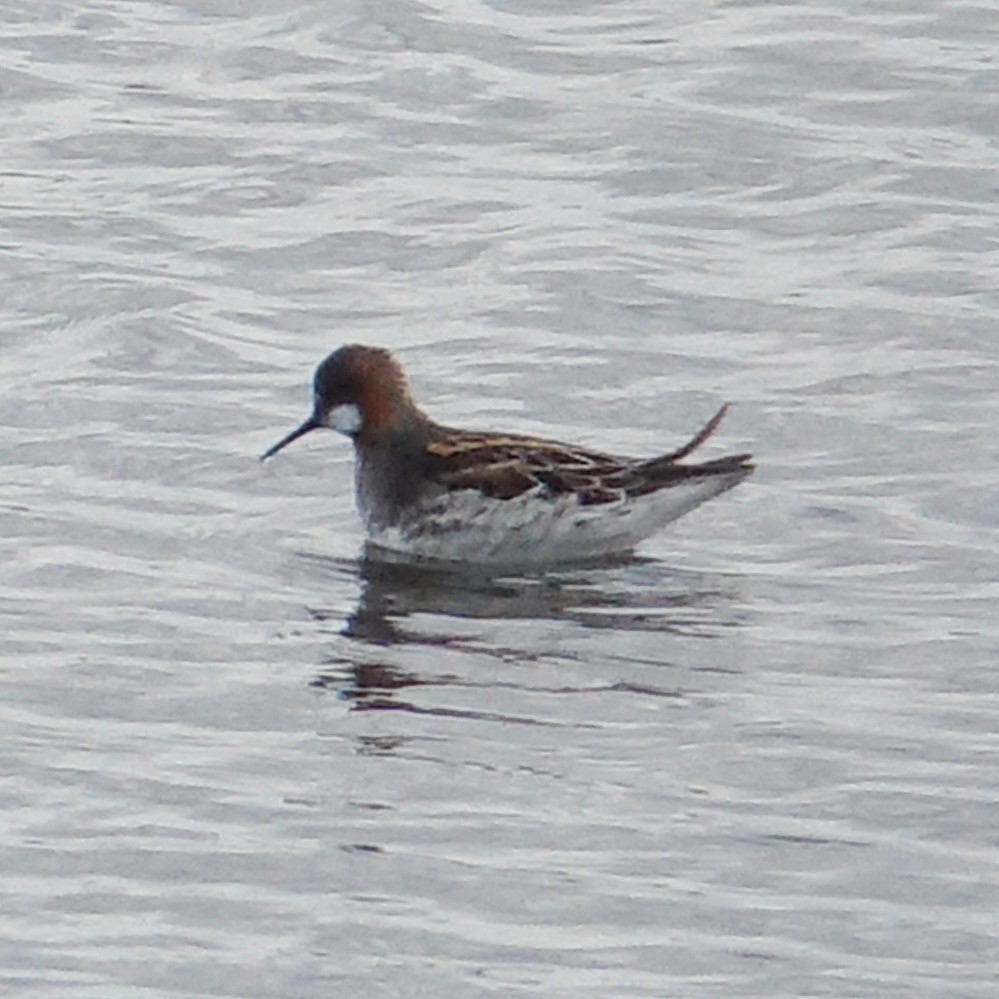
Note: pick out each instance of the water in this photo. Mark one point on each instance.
(758, 759)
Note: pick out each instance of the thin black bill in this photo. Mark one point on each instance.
(310, 424)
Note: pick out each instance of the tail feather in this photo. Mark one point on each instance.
(666, 468)
(697, 440)
(718, 466)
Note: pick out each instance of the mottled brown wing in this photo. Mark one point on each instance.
(507, 466)
(499, 480)
(504, 467)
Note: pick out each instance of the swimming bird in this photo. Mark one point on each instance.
(437, 492)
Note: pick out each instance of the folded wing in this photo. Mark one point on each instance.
(508, 466)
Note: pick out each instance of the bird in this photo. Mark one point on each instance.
(431, 492)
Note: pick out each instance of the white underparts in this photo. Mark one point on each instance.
(345, 418)
(465, 525)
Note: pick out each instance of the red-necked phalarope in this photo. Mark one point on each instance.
(466, 495)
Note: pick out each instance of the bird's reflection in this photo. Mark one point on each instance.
(412, 607)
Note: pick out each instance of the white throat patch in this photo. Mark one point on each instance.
(346, 419)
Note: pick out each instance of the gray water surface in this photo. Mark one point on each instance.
(759, 758)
